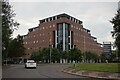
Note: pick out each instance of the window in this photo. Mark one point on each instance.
(75, 20)
(36, 29)
(33, 41)
(33, 29)
(52, 18)
(23, 42)
(25, 37)
(28, 42)
(48, 19)
(45, 20)
(36, 41)
(76, 27)
(43, 40)
(72, 26)
(81, 29)
(55, 17)
(34, 35)
(50, 26)
(60, 35)
(53, 25)
(43, 27)
(72, 19)
(77, 40)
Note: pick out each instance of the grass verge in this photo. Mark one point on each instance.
(107, 67)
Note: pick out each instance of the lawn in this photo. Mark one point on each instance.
(109, 67)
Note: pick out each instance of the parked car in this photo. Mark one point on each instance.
(30, 64)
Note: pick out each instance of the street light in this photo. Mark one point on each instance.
(84, 48)
(50, 51)
(50, 47)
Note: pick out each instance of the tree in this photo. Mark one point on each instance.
(65, 55)
(114, 56)
(16, 48)
(46, 54)
(8, 26)
(55, 55)
(95, 57)
(37, 56)
(75, 54)
(103, 57)
(87, 56)
(116, 30)
(90, 56)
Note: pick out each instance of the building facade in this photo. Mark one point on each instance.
(107, 49)
(60, 31)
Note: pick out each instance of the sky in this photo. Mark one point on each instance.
(95, 15)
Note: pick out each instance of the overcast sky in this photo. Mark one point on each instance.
(95, 15)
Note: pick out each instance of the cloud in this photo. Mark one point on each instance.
(95, 16)
(64, 0)
(24, 26)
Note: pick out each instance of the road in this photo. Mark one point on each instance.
(42, 71)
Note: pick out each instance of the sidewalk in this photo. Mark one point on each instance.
(94, 74)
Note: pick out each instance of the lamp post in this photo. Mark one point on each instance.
(50, 54)
(50, 50)
(84, 48)
(50, 47)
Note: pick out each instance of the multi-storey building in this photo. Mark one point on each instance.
(107, 49)
(60, 31)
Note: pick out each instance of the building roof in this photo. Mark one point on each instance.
(59, 16)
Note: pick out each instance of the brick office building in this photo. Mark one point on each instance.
(61, 31)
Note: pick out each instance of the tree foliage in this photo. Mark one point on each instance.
(37, 56)
(65, 55)
(8, 25)
(75, 54)
(46, 54)
(116, 30)
(55, 55)
(103, 57)
(15, 48)
(90, 56)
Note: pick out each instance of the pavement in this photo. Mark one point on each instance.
(93, 74)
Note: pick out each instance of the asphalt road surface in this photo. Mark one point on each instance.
(42, 71)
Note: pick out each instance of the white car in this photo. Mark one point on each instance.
(30, 64)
